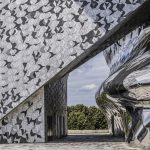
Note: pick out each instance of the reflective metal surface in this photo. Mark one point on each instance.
(125, 95)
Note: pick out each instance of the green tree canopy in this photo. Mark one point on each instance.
(81, 117)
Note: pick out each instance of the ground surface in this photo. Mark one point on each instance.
(75, 142)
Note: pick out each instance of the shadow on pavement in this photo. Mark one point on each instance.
(89, 138)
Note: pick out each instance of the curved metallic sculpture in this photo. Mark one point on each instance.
(126, 92)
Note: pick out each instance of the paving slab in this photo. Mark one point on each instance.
(75, 142)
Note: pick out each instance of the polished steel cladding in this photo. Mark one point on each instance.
(125, 95)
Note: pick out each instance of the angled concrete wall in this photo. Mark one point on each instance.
(29, 122)
(26, 123)
(40, 38)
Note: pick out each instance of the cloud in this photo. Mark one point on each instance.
(85, 80)
(88, 87)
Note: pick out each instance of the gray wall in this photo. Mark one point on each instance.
(25, 123)
(40, 38)
(56, 108)
(28, 122)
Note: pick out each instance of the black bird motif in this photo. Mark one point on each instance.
(61, 65)
(24, 112)
(32, 133)
(30, 104)
(38, 82)
(52, 54)
(39, 109)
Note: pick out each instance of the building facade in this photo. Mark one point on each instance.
(41, 41)
(41, 118)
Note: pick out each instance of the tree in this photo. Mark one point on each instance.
(81, 117)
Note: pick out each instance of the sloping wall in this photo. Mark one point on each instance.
(39, 38)
(26, 123)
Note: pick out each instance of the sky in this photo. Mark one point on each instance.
(84, 81)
